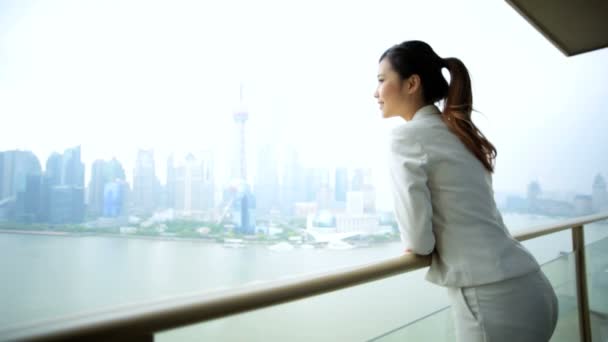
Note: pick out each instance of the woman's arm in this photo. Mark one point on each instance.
(411, 196)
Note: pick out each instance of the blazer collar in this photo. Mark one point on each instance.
(430, 111)
(425, 112)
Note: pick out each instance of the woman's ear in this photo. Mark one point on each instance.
(412, 84)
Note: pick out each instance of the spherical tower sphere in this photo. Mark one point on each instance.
(240, 116)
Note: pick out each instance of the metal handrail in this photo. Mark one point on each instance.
(142, 321)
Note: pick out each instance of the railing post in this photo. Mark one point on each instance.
(578, 246)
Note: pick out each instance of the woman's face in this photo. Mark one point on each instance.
(389, 90)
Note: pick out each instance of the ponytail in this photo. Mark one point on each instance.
(457, 110)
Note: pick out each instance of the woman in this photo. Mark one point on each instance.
(441, 170)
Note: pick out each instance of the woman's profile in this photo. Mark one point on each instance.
(441, 175)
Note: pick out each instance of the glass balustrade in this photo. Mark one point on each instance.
(597, 279)
(439, 327)
(407, 308)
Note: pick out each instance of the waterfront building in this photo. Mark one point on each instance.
(66, 204)
(102, 174)
(15, 167)
(145, 184)
(191, 185)
(341, 184)
(266, 186)
(293, 187)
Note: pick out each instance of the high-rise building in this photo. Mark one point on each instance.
(103, 173)
(145, 183)
(32, 199)
(62, 188)
(27, 205)
(53, 169)
(45, 199)
(341, 184)
(316, 179)
(96, 188)
(170, 185)
(293, 187)
(72, 168)
(267, 181)
(599, 195)
(358, 179)
(18, 171)
(66, 204)
(16, 166)
(369, 193)
(114, 198)
(243, 209)
(192, 184)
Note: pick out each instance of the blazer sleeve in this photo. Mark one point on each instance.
(411, 195)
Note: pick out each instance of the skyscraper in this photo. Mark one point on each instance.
(193, 185)
(103, 173)
(358, 180)
(62, 188)
(53, 169)
(266, 186)
(66, 204)
(341, 186)
(293, 186)
(72, 168)
(369, 192)
(114, 198)
(145, 183)
(16, 166)
(170, 185)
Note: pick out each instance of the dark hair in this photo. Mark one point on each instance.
(417, 57)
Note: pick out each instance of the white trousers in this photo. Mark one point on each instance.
(522, 309)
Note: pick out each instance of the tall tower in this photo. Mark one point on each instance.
(240, 116)
(238, 196)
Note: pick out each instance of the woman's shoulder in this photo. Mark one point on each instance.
(420, 131)
(406, 142)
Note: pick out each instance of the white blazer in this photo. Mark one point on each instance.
(444, 205)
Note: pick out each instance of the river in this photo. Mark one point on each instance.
(45, 276)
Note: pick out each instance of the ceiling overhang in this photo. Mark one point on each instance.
(574, 27)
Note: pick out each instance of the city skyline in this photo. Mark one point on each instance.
(174, 87)
(276, 176)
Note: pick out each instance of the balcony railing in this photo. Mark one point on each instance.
(140, 323)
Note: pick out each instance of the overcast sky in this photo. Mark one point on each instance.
(115, 76)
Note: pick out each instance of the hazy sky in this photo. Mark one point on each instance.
(114, 76)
